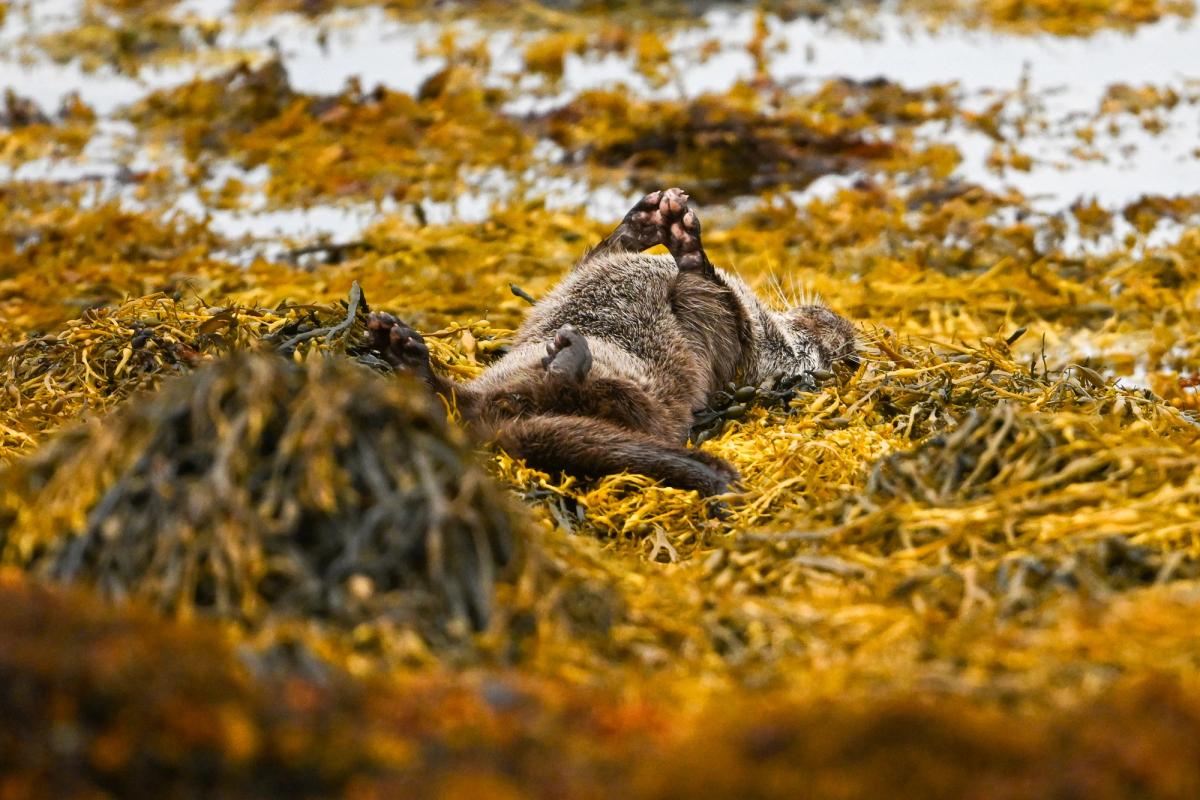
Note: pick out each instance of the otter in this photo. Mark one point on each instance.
(606, 372)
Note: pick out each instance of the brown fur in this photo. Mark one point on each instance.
(664, 333)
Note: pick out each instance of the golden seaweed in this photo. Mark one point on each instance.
(968, 567)
(255, 487)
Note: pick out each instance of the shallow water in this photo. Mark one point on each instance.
(1063, 78)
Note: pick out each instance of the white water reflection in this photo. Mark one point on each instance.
(1066, 77)
(368, 45)
(1155, 53)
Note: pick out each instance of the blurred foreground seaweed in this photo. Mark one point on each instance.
(96, 701)
(257, 488)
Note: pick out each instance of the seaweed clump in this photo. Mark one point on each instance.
(98, 361)
(356, 143)
(256, 488)
(748, 140)
(27, 132)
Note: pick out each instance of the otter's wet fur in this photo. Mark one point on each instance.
(608, 369)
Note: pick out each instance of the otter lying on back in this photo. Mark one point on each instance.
(608, 369)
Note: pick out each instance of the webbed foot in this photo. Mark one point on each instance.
(648, 223)
(683, 241)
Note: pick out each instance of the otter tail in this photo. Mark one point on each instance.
(589, 447)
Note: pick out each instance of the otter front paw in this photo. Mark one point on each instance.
(397, 343)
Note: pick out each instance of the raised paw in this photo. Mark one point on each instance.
(397, 343)
(568, 354)
(649, 222)
(683, 241)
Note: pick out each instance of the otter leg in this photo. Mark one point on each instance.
(592, 448)
(610, 398)
(401, 346)
(569, 388)
(648, 223)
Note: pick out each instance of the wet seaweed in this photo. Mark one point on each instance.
(108, 355)
(255, 487)
(27, 132)
(974, 543)
(375, 144)
(747, 141)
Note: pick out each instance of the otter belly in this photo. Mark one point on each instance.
(623, 300)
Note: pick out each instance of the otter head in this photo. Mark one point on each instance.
(805, 338)
(833, 336)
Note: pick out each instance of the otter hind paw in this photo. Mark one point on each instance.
(724, 470)
(664, 217)
(649, 222)
(568, 354)
(683, 240)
